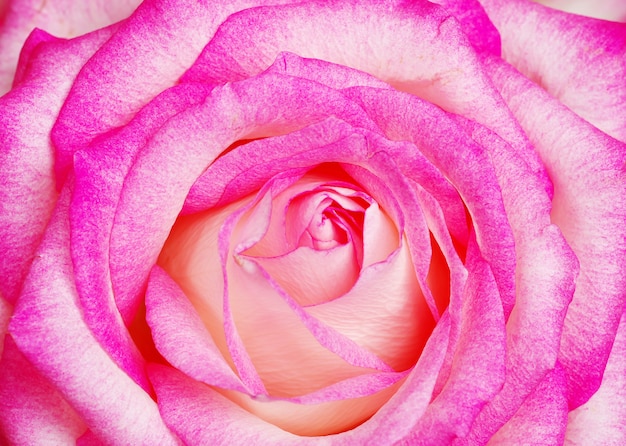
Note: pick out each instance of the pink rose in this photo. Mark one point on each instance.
(324, 222)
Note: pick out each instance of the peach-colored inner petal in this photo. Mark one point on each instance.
(327, 248)
(191, 258)
(315, 419)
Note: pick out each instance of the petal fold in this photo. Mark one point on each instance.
(48, 314)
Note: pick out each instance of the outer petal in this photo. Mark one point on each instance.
(27, 113)
(545, 278)
(584, 65)
(147, 55)
(588, 169)
(180, 336)
(200, 415)
(542, 418)
(447, 72)
(476, 25)
(32, 411)
(601, 9)
(602, 419)
(63, 18)
(48, 328)
(99, 175)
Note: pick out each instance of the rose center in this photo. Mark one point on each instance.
(326, 230)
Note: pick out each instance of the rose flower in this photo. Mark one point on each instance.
(325, 222)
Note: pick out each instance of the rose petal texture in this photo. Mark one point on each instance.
(602, 417)
(588, 76)
(268, 106)
(105, 398)
(142, 168)
(590, 213)
(28, 195)
(614, 10)
(148, 54)
(34, 412)
(513, 227)
(61, 18)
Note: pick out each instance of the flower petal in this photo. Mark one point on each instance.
(250, 41)
(545, 278)
(238, 173)
(384, 312)
(181, 337)
(584, 66)
(601, 9)
(588, 169)
(185, 405)
(404, 117)
(200, 415)
(26, 159)
(476, 24)
(482, 323)
(100, 172)
(478, 367)
(6, 311)
(62, 18)
(146, 55)
(46, 316)
(542, 418)
(32, 411)
(603, 417)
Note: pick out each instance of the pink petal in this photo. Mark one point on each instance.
(546, 273)
(384, 312)
(249, 41)
(180, 336)
(200, 415)
(191, 258)
(300, 275)
(62, 18)
(589, 206)
(584, 64)
(333, 75)
(6, 311)
(546, 284)
(603, 417)
(447, 274)
(27, 189)
(241, 172)
(448, 72)
(405, 117)
(100, 171)
(328, 412)
(49, 329)
(475, 23)
(391, 189)
(542, 418)
(602, 9)
(398, 418)
(148, 53)
(32, 411)
(478, 367)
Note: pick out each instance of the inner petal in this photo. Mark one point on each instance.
(326, 230)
